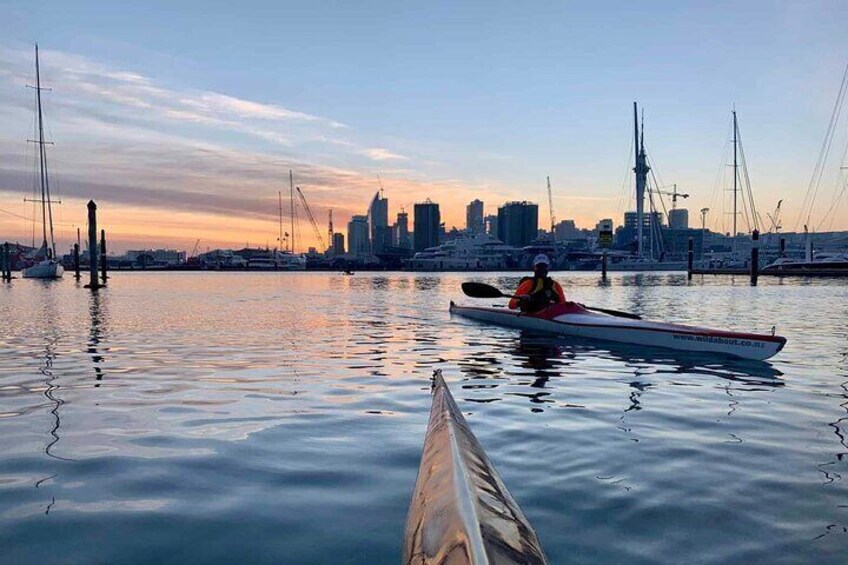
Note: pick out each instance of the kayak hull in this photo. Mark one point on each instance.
(461, 511)
(574, 320)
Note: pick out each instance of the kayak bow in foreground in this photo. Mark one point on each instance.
(573, 319)
(461, 512)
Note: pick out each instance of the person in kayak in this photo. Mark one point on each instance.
(539, 291)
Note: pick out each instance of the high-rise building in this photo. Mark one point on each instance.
(338, 244)
(378, 216)
(357, 236)
(428, 220)
(491, 222)
(403, 239)
(518, 223)
(678, 219)
(474, 217)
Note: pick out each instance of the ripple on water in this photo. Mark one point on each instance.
(211, 417)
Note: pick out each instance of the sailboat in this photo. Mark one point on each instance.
(46, 265)
(644, 259)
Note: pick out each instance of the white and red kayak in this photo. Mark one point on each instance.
(572, 319)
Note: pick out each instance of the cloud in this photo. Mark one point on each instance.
(134, 144)
(381, 154)
(94, 88)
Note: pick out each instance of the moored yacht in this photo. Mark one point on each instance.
(480, 252)
(44, 263)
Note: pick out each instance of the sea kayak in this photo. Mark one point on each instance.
(573, 319)
(461, 512)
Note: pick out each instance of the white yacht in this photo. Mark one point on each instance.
(824, 261)
(44, 264)
(278, 261)
(480, 252)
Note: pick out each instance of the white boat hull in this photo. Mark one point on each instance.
(44, 270)
(583, 323)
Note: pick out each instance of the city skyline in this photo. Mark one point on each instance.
(192, 139)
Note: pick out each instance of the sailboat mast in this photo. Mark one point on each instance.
(280, 197)
(291, 204)
(641, 170)
(735, 174)
(40, 142)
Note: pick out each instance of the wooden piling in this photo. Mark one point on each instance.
(103, 256)
(8, 253)
(76, 261)
(92, 246)
(4, 262)
(690, 259)
(604, 266)
(755, 256)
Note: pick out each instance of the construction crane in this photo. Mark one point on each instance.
(674, 195)
(194, 250)
(311, 217)
(775, 219)
(551, 207)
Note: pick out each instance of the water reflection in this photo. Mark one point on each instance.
(544, 357)
(830, 475)
(96, 333)
(636, 395)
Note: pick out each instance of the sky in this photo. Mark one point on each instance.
(182, 120)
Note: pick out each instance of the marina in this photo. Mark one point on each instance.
(443, 284)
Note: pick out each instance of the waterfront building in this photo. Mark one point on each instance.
(626, 234)
(567, 230)
(358, 242)
(678, 219)
(157, 256)
(428, 221)
(474, 217)
(338, 244)
(604, 225)
(518, 223)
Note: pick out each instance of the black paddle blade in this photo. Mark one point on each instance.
(480, 290)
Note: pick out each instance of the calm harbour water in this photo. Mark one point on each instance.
(279, 417)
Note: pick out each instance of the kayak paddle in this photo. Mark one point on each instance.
(481, 290)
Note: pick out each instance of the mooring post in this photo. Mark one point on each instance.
(604, 266)
(690, 258)
(4, 261)
(92, 246)
(755, 256)
(8, 261)
(103, 256)
(76, 261)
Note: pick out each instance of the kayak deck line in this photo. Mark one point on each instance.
(461, 511)
(573, 319)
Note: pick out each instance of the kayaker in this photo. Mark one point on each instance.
(539, 291)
